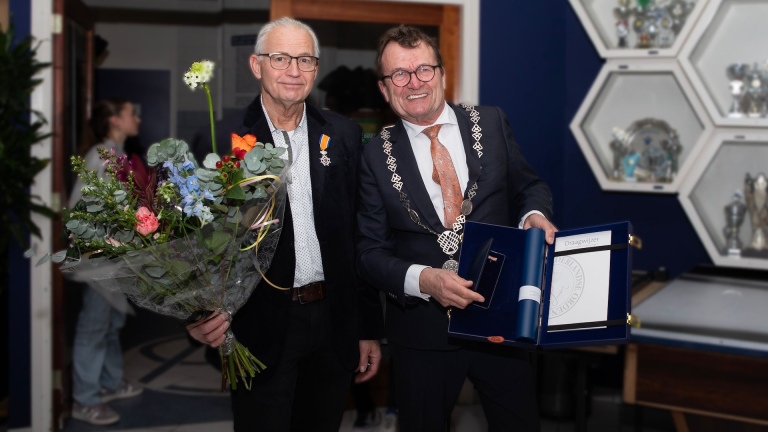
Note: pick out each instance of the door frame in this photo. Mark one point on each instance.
(43, 23)
(459, 29)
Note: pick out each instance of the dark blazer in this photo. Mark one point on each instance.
(262, 322)
(389, 242)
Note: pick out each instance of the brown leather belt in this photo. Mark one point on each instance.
(308, 293)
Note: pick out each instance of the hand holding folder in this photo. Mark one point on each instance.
(447, 288)
(575, 292)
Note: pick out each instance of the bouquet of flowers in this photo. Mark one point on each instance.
(193, 241)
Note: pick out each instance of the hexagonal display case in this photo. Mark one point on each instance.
(725, 58)
(725, 194)
(638, 28)
(639, 125)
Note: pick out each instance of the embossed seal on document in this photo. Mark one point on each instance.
(567, 285)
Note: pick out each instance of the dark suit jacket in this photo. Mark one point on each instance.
(262, 322)
(389, 242)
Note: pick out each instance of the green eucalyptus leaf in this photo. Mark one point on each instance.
(155, 270)
(205, 174)
(29, 253)
(259, 192)
(59, 256)
(80, 229)
(153, 158)
(95, 208)
(70, 264)
(120, 195)
(210, 161)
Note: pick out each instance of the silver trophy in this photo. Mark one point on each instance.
(620, 148)
(656, 23)
(665, 35)
(756, 198)
(734, 217)
(673, 148)
(622, 14)
(736, 73)
(640, 25)
(680, 9)
(647, 151)
(755, 92)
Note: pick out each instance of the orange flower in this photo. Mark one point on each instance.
(246, 142)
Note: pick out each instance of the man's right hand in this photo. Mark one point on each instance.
(211, 331)
(447, 288)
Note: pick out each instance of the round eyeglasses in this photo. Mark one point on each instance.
(282, 61)
(402, 77)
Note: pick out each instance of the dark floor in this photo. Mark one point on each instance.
(182, 390)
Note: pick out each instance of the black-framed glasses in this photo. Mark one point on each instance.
(282, 61)
(402, 77)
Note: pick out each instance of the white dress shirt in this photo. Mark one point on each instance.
(309, 263)
(450, 137)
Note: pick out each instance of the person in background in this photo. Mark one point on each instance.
(97, 357)
(420, 180)
(314, 335)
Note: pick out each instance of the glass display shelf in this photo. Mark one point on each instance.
(638, 28)
(724, 197)
(639, 125)
(725, 58)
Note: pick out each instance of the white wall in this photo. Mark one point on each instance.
(174, 48)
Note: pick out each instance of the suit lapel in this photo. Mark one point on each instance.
(473, 162)
(317, 127)
(408, 170)
(255, 122)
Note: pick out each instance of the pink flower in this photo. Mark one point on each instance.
(147, 221)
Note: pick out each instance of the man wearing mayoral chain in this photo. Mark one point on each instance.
(315, 335)
(420, 181)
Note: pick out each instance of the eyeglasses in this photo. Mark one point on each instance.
(402, 77)
(282, 61)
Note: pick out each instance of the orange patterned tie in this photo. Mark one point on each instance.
(444, 174)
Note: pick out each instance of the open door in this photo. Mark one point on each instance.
(73, 66)
(445, 17)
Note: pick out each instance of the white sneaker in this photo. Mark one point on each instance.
(126, 390)
(99, 414)
(389, 421)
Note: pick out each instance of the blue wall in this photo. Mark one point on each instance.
(537, 63)
(18, 293)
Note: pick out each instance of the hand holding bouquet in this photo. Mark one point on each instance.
(194, 240)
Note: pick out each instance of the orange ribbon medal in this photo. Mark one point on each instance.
(324, 141)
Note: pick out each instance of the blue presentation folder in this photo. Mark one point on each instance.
(509, 266)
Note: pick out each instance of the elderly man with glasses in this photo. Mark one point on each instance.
(420, 181)
(322, 326)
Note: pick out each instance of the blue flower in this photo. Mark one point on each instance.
(193, 184)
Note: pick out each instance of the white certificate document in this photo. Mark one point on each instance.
(579, 289)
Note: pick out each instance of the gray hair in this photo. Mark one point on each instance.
(285, 22)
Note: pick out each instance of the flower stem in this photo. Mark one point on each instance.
(210, 114)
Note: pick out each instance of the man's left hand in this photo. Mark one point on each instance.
(370, 359)
(536, 220)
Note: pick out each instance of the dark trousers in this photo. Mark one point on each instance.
(309, 389)
(427, 385)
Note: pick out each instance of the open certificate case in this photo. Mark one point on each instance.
(573, 293)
